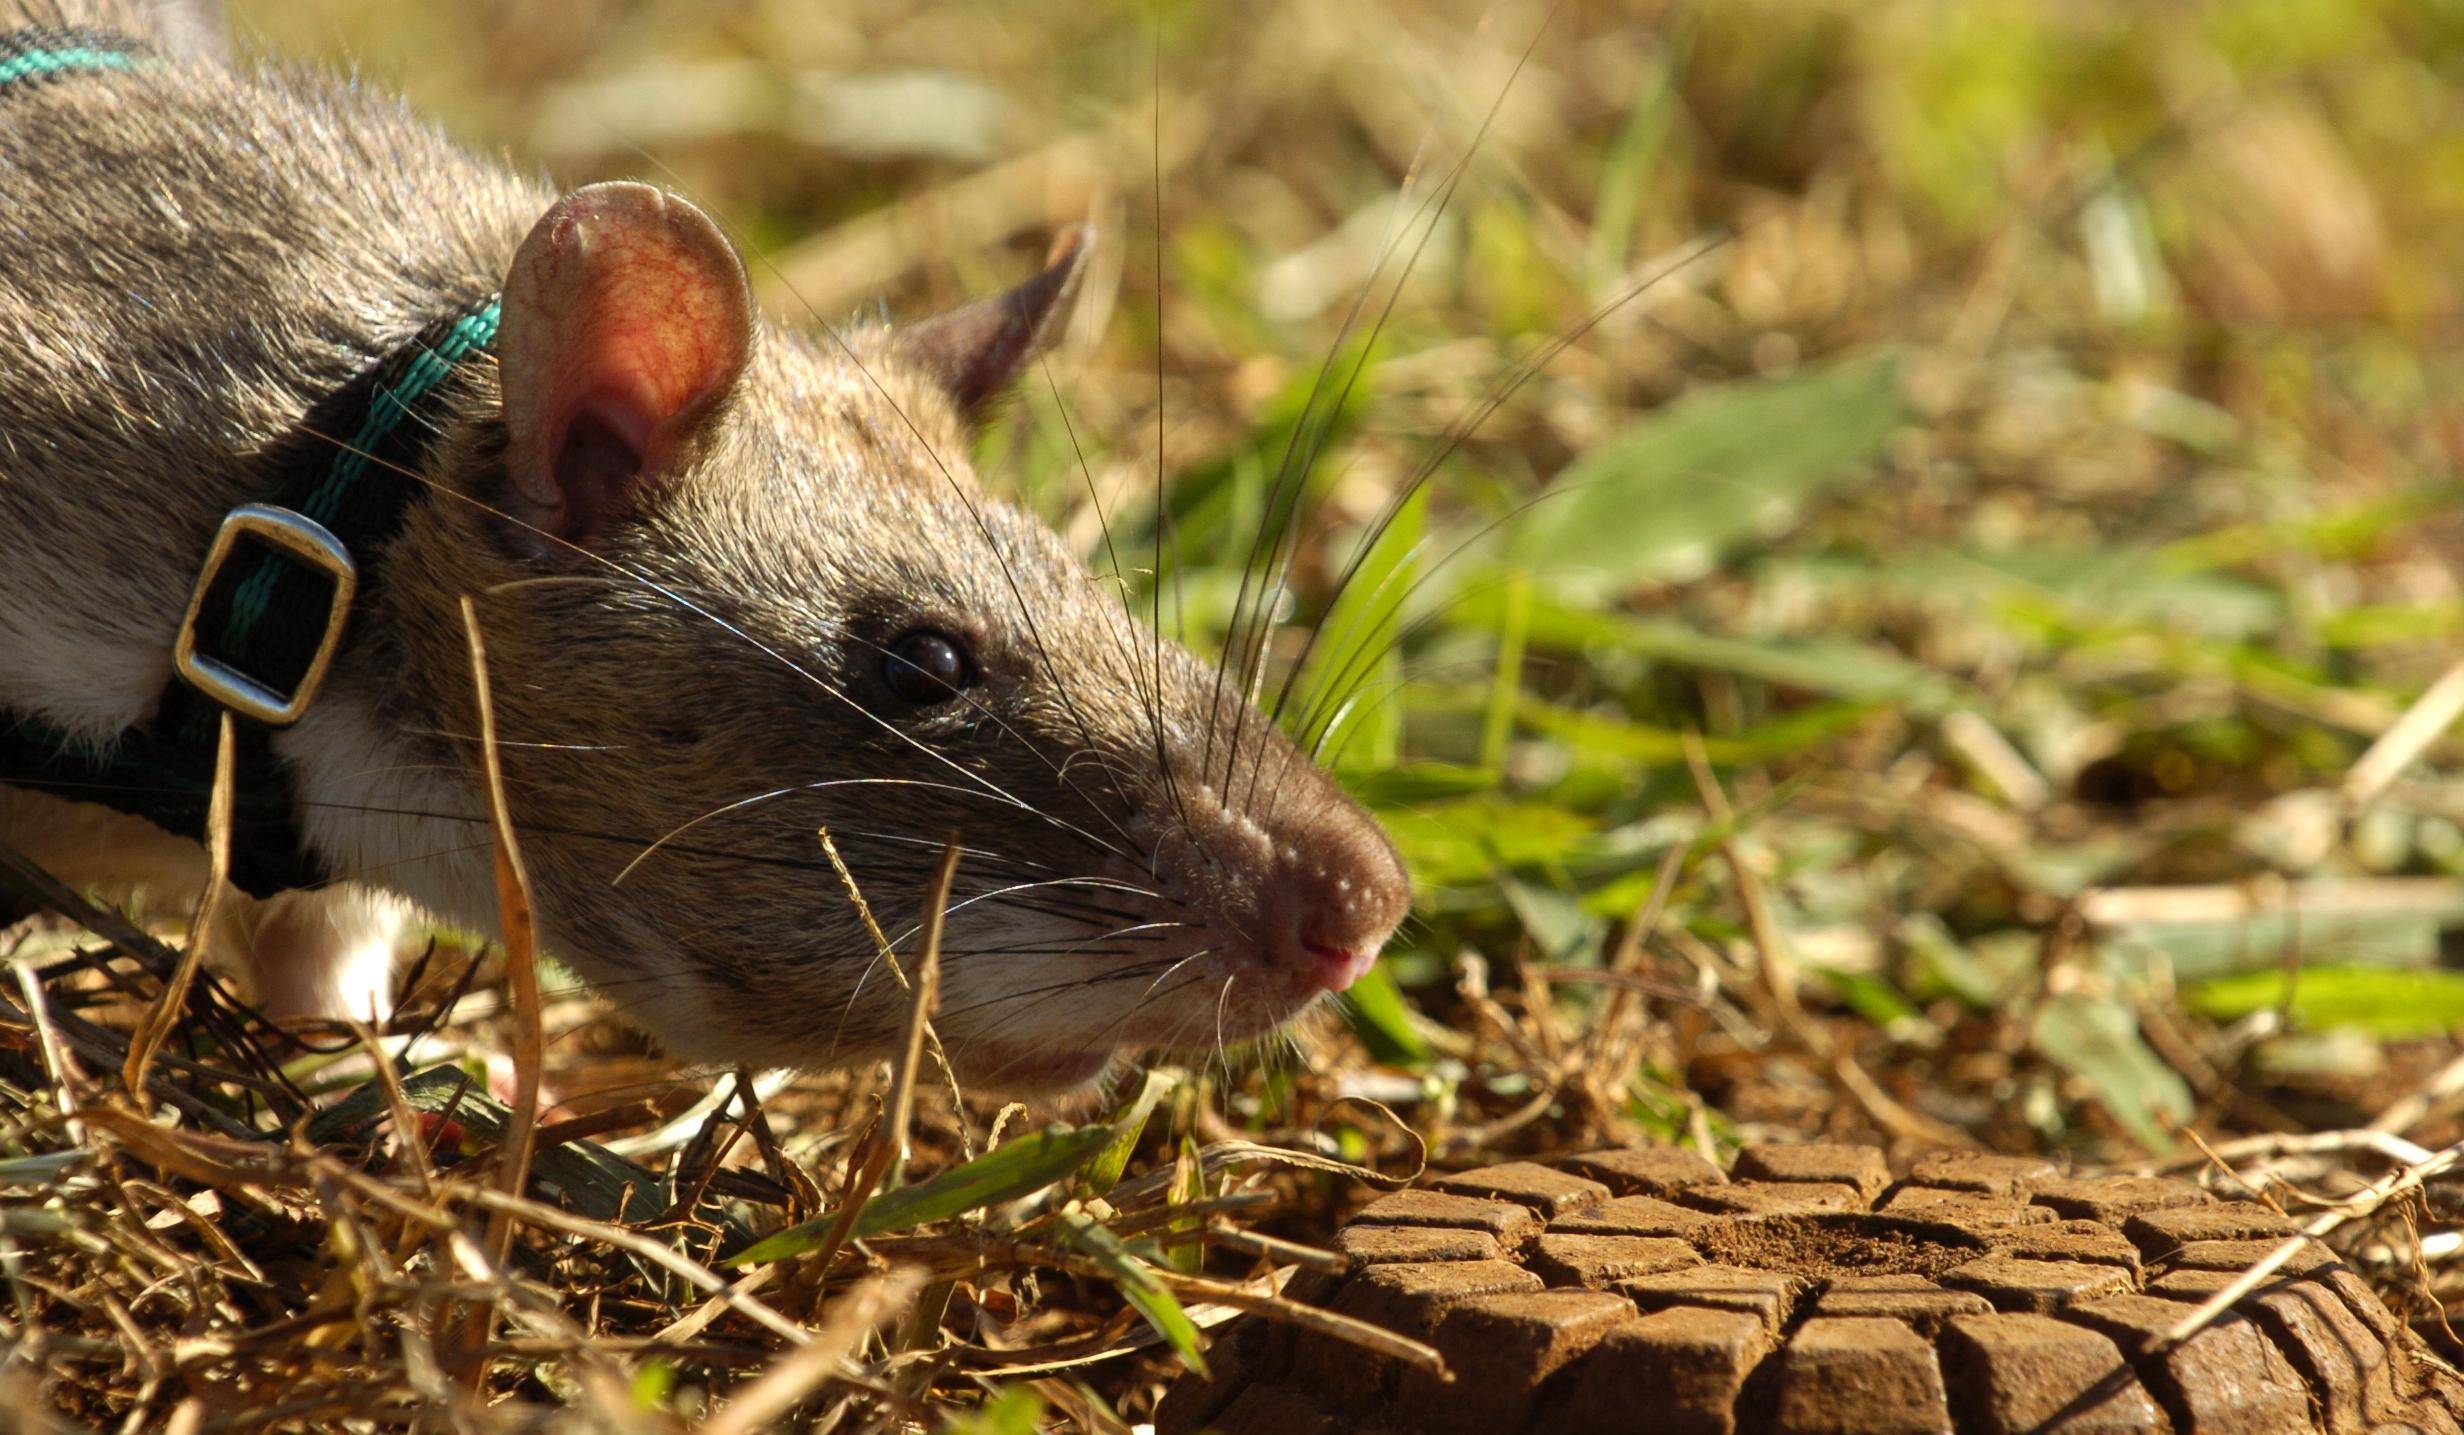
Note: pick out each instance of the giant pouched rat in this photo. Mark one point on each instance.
(738, 584)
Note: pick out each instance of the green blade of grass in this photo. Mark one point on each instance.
(1833, 666)
(1104, 1172)
(2097, 1040)
(1378, 1015)
(2391, 1004)
(1019, 1168)
(1354, 664)
(1137, 1283)
(1506, 679)
(1626, 175)
(1016, 1410)
(1667, 498)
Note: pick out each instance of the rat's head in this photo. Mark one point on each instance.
(749, 591)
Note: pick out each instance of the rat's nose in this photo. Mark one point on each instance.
(1338, 894)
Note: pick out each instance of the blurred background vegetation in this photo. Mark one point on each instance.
(2019, 439)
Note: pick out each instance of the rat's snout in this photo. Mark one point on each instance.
(1302, 890)
(1336, 895)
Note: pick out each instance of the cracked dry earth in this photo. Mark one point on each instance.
(1644, 1290)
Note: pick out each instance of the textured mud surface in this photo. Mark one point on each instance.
(1809, 1290)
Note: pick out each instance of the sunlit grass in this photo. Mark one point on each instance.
(2012, 446)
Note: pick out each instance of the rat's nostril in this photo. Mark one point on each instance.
(1324, 889)
(1337, 897)
(1338, 933)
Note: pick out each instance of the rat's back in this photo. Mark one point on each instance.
(195, 252)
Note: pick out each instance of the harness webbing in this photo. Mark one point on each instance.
(351, 467)
(45, 52)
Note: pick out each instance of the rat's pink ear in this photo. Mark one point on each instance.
(974, 353)
(627, 322)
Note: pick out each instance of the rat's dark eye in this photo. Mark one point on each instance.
(925, 667)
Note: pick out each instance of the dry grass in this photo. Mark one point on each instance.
(2024, 443)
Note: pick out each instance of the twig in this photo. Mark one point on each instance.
(889, 1144)
(1990, 753)
(695, 1321)
(2432, 713)
(789, 1381)
(2218, 903)
(24, 874)
(540, 1214)
(92, 1043)
(2269, 1148)
(1308, 1317)
(1275, 1248)
(2386, 1188)
(680, 1128)
(513, 895)
(889, 958)
(513, 899)
(1778, 972)
(64, 1073)
(2415, 1106)
(173, 1000)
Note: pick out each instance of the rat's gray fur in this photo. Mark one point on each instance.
(195, 255)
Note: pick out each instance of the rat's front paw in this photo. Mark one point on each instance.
(322, 954)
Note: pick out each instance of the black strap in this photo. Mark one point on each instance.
(147, 776)
(352, 468)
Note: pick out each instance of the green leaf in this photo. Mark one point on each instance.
(1875, 1000)
(1104, 1172)
(1983, 971)
(1830, 666)
(653, 1383)
(2331, 922)
(1562, 933)
(1348, 691)
(2097, 1040)
(1453, 844)
(1378, 1016)
(584, 1175)
(1414, 782)
(2391, 1004)
(1137, 1284)
(1188, 1188)
(1019, 1168)
(44, 1168)
(1017, 1410)
(1668, 498)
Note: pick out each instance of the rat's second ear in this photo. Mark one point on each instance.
(627, 322)
(976, 352)
(190, 29)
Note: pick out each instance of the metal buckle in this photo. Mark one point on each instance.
(305, 539)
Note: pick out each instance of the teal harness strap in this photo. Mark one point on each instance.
(357, 492)
(30, 56)
(349, 474)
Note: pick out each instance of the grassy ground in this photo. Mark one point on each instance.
(1932, 518)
